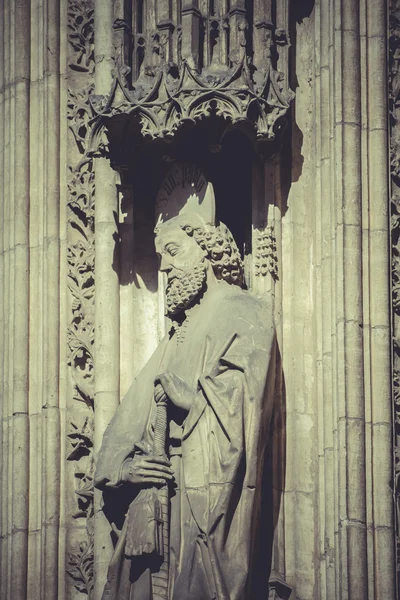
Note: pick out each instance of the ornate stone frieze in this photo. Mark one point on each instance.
(182, 65)
(394, 109)
(80, 256)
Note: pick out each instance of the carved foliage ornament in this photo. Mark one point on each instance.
(182, 70)
(81, 35)
(80, 256)
(394, 113)
(81, 567)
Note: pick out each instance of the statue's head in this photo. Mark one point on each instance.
(192, 254)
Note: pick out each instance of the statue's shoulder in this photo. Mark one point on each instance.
(233, 294)
(233, 302)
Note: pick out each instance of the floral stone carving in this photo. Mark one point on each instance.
(394, 111)
(80, 256)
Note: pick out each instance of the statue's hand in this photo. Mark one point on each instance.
(177, 390)
(147, 470)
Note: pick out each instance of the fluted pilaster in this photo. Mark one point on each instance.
(107, 355)
(20, 175)
(51, 423)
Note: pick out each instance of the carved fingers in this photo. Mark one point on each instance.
(144, 470)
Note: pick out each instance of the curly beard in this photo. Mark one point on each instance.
(184, 289)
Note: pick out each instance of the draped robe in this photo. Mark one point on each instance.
(218, 547)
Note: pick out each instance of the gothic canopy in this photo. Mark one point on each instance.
(179, 62)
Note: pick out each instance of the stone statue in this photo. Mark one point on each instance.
(182, 461)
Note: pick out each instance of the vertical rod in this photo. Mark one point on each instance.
(365, 292)
(64, 390)
(51, 433)
(299, 281)
(35, 299)
(6, 494)
(20, 489)
(107, 317)
(279, 553)
(379, 266)
(326, 282)
(11, 271)
(319, 285)
(3, 447)
(334, 380)
(160, 578)
(349, 316)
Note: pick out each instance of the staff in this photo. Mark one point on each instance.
(160, 579)
(147, 521)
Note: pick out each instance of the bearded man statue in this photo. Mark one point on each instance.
(216, 369)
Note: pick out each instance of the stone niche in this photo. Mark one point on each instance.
(199, 96)
(200, 83)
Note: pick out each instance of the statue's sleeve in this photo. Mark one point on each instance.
(128, 430)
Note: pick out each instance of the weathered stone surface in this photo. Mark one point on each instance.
(309, 210)
(179, 64)
(216, 376)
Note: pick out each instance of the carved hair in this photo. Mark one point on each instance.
(221, 248)
(216, 240)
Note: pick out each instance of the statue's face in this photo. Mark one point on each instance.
(184, 263)
(178, 251)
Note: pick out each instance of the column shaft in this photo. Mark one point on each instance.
(3, 314)
(379, 277)
(7, 438)
(349, 310)
(107, 349)
(36, 166)
(20, 120)
(51, 421)
(328, 587)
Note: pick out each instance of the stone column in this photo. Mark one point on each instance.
(36, 321)
(299, 328)
(352, 542)
(107, 353)
(4, 308)
(323, 224)
(51, 422)
(20, 172)
(379, 302)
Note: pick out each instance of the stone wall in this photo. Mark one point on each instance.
(70, 334)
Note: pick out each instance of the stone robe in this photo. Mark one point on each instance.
(219, 546)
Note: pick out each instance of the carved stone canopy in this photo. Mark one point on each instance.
(180, 63)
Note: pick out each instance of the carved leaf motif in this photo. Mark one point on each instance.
(81, 285)
(81, 190)
(80, 567)
(80, 438)
(81, 35)
(79, 114)
(85, 492)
